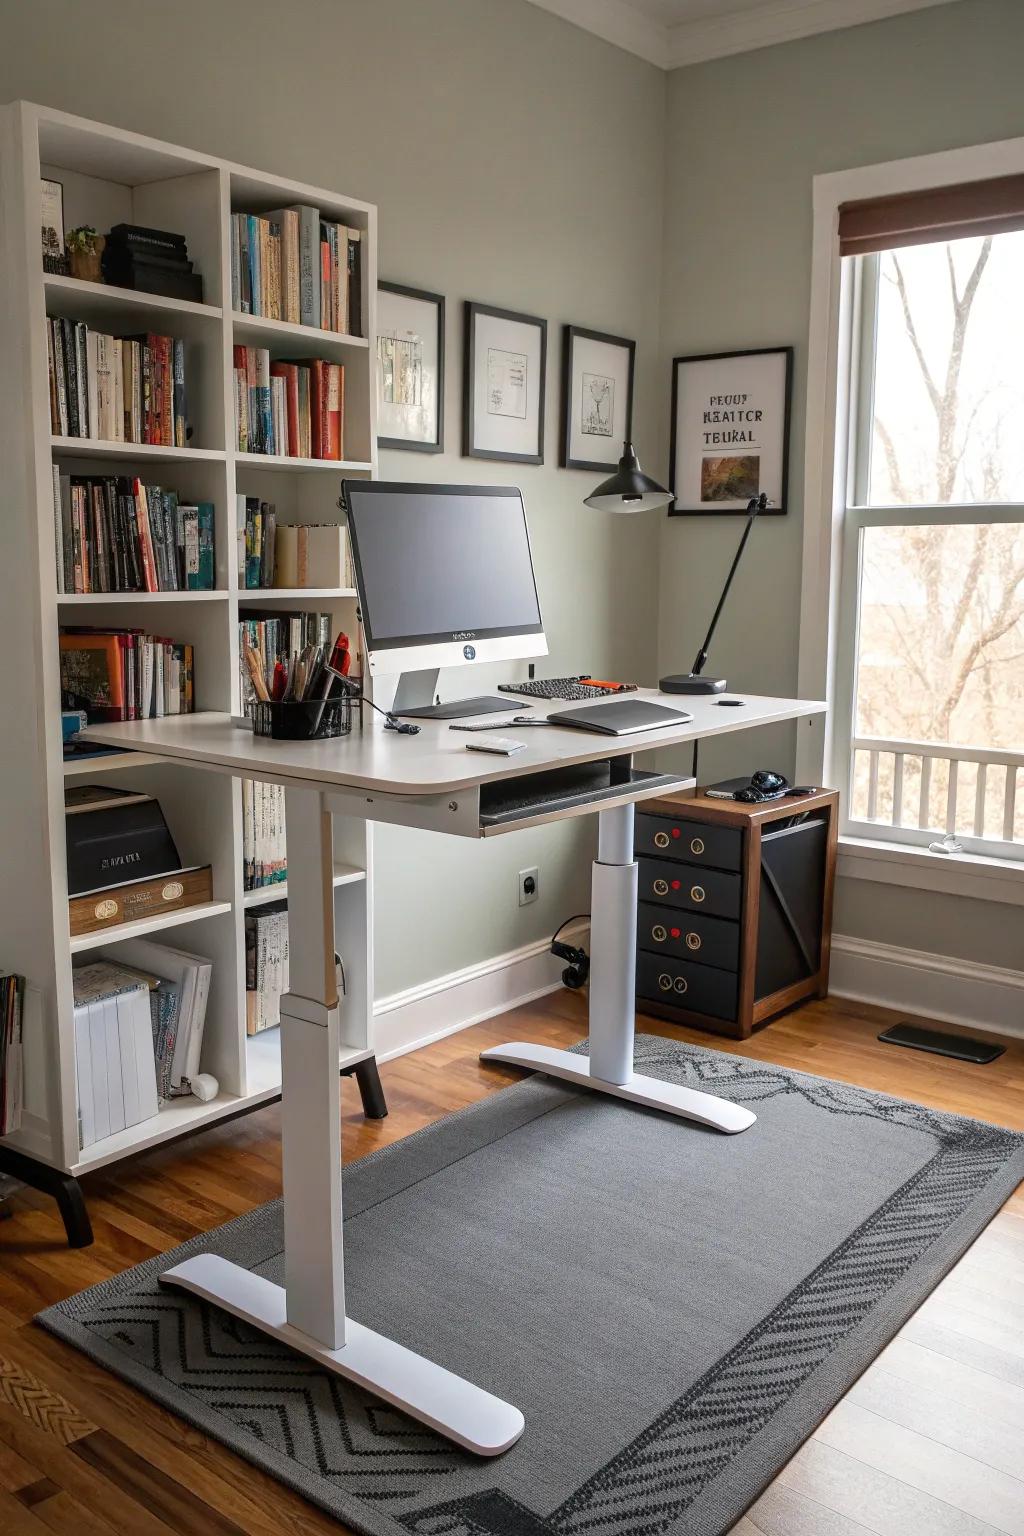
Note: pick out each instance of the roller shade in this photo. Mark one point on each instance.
(939, 213)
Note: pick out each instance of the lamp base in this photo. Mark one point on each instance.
(691, 682)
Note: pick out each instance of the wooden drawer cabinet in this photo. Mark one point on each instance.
(705, 940)
(735, 907)
(684, 885)
(694, 841)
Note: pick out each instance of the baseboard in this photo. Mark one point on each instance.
(956, 991)
(406, 1020)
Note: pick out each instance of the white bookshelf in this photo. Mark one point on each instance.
(109, 176)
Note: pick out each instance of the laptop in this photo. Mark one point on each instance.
(621, 717)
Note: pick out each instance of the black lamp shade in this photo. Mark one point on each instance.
(629, 489)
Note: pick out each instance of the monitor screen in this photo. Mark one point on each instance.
(441, 563)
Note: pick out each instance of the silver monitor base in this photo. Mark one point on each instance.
(417, 691)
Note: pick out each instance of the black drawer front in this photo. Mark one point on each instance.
(693, 937)
(694, 841)
(697, 890)
(701, 988)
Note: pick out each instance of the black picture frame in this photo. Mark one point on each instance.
(413, 445)
(472, 311)
(570, 335)
(710, 357)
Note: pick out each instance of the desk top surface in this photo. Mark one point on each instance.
(435, 761)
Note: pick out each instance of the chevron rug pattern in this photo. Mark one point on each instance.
(673, 1310)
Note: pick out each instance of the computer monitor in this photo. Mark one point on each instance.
(445, 579)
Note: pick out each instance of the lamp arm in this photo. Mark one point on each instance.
(755, 505)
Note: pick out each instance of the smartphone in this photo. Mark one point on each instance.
(961, 1047)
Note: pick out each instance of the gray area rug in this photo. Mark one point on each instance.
(673, 1310)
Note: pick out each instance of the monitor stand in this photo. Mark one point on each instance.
(416, 691)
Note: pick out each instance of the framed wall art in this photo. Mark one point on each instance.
(503, 385)
(730, 431)
(597, 398)
(410, 368)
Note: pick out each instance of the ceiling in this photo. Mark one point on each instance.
(671, 33)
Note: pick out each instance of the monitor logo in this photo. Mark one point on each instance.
(469, 651)
(463, 634)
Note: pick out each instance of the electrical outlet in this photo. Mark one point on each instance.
(529, 886)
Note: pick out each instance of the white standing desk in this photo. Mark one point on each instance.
(428, 781)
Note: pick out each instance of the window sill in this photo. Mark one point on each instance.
(954, 874)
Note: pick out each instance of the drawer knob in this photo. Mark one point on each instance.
(659, 934)
(661, 887)
(680, 984)
(696, 845)
(665, 982)
(661, 839)
(693, 941)
(696, 893)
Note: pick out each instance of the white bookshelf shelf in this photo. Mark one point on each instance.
(74, 298)
(300, 340)
(262, 596)
(111, 176)
(263, 1061)
(284, 461)
(76, 599)
(107, 762)
(96, 448)
(146, 927)
(344, 874)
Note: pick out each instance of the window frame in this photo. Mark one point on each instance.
(834, 459)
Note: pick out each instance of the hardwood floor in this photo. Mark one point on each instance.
(927, 1443)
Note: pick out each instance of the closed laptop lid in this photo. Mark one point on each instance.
(621, 717)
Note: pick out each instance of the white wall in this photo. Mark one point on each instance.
(746, 135)
(515, 160)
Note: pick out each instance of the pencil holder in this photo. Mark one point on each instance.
(310, 720)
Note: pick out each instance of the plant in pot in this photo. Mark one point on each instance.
(85, 248)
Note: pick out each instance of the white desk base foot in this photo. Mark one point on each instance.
(455, 1408)
(652, 1092)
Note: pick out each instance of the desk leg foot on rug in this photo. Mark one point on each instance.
(455, 1408)
(651, 1092)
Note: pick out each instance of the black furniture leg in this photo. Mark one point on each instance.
(375, 1106)
(65, 1189)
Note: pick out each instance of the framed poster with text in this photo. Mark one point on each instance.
(730, 431)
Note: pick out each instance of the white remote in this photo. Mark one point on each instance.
(504, 746)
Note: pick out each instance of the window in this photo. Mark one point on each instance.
(930, 696)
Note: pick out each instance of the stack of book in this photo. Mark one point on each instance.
(293, 265)
(266, 966)
(293, 409)
(125, 674)
(264, 857)
(119, 389)
(150, 261)
(116, 1067)
(114, 534)
(177, 1008)
(278, 637)
(12, 1008)
(257, 542)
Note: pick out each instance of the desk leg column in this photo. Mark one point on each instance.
(308, 1312)
(609, 1068)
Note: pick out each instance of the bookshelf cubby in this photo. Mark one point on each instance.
(109, 176)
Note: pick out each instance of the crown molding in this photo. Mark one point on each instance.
(740, 31)
(783, 21)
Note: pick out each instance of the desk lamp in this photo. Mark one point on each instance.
(630, 490)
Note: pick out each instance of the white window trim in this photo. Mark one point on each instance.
(826, 477)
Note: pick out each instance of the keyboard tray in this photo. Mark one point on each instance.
(563, 789)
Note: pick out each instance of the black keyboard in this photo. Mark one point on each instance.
(573, 689)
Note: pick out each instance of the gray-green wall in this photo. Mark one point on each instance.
(745, 137)
(519, 160)
(514, 159)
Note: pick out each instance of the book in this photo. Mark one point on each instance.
(114, 1055)
(190, 974)
(117, 534)
(116, 389)
(264, 857)
(266, 966)
(125, 674)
